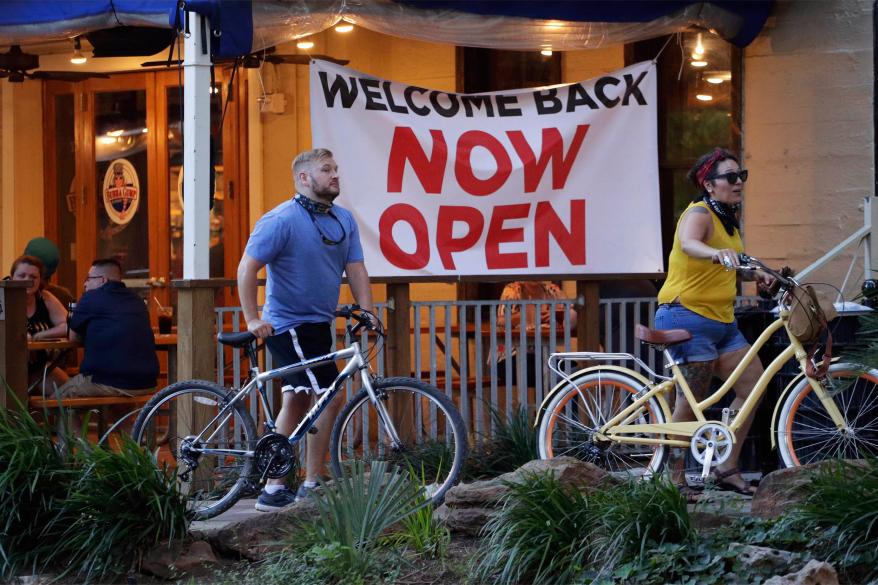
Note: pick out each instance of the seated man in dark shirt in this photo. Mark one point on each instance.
(113, 324)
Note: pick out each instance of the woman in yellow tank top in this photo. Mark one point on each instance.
(699, 296)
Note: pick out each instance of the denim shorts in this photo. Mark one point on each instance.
(710, 338)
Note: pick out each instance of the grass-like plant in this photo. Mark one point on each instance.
(637, 515)
(842, 509)
(512, 444)
(34, 474)
(121, 504)
(542, 533)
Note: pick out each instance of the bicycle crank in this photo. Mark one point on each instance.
(711, 445)
(273, 456)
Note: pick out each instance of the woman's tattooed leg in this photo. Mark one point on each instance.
(698, 376)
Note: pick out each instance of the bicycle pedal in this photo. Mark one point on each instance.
(312, 430)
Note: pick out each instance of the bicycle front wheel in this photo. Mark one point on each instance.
(579, 410)
(806, 432)
(181, 427)
(433, 439)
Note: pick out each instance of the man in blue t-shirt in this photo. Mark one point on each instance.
(307, 243)
(113, 324)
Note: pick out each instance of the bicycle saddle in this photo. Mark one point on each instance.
(240, 339)
(661, 336)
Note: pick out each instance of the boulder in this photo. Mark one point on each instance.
(766, 560)
(814, 573)
(782, 489)
(468, 507)
(256, 537)
(192, 558)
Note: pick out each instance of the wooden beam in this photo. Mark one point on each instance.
(588, 330)
(13, 341)
(399, 355)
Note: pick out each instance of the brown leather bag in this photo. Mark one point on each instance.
(809, 314)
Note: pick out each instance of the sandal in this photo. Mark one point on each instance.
(720, 482)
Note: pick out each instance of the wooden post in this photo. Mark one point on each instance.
(196, 354)
(13, 341)
(588, 330)
(399, 353)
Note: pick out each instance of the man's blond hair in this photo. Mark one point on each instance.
(305, 160)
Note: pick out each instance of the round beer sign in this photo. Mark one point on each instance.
(121, 191)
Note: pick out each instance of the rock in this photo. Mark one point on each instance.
(782, 489)
(256, 537)
(469, 506)
(814, 573)
(766, 560)
(192, 558)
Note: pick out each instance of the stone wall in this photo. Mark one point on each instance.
(808, 132)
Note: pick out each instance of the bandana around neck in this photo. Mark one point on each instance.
(725, 213)
(311, 205)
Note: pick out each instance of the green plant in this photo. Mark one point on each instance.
(353, 512)
(512, 444)
(541, 533)
(422, 534)
(637, 515)
(121, 504)
(842, 509)
(34, 474)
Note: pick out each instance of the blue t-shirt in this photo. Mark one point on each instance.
(304, 273)
(119, 343)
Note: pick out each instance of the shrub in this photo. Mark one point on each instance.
(512, 444)
(422, 534)
(121, 504)
(34, 475)
(542, 533)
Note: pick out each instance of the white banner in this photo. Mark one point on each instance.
(560, 180)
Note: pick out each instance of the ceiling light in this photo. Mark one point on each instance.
(714, 80)
(344, 27)
(699, 48)
(717, 77)
(699, 63)
(77, 58)
(115, 133)
(305, 44)
(704, 97)
(546, 52)
(554, 25)
(107, 140)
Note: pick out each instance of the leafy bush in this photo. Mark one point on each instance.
(512, 444)
(542, 533)
(121, 504)
(34, 475)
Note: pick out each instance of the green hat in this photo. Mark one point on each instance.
(46, 250)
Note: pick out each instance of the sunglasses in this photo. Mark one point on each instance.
(732, 177)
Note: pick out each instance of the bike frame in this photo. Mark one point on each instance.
(355, 362)
(620, 426)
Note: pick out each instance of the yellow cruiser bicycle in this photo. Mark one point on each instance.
(618, 418)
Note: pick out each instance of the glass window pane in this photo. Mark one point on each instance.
(122, 180)
(65, 181)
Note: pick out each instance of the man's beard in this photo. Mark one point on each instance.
(328, 193)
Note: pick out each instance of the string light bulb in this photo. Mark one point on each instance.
(305, 44)
(77, 58)
(699, 48)
(699, 63)
(704, 97)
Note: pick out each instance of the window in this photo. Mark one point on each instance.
(699, 111)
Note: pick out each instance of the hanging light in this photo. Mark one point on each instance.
(77, 58)
(546, 51)
(698, 53)
(704, 97)
(344, 27)
(305, 44)
(698, 63)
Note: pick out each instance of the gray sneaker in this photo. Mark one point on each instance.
(276, 501)
(303, 493)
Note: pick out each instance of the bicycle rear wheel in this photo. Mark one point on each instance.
(432, 433)
(179, 423)
(577, 411)
(805, 431)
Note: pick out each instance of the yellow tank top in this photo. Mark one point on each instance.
(700, 285)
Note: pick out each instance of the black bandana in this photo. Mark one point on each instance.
(311, 205)
(725, 212)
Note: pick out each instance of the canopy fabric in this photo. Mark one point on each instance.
(243, 26)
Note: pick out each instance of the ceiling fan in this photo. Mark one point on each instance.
(16, 66)
(254, 60)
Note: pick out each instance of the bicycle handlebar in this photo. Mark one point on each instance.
(782, 278)
(365, 319)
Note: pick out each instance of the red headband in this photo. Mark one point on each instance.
(701, 173)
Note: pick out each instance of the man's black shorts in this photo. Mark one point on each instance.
(305, 341)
